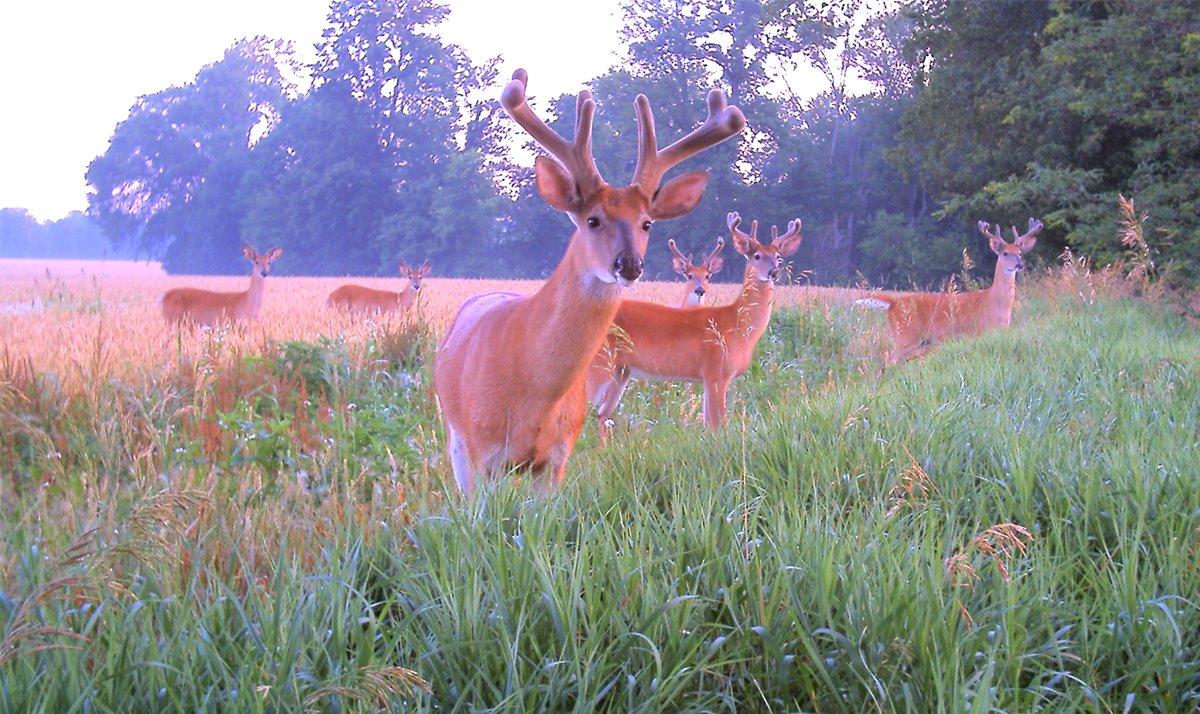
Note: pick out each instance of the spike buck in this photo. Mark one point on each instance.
(511, 370)
(918, 321)
(708, 345)
(696, 275)
(205, 308)
(358, 299)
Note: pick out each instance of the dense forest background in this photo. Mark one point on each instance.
(934, 114)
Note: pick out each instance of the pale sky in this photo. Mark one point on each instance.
(69, 71)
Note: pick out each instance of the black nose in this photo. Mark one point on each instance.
(773, 274)
(699, 291)
(628, 265)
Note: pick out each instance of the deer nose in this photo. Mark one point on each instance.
(700, 291)
(773, 274)
(628, 265)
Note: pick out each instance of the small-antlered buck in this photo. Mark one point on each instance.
(918, 321)
(356, 298)
(206, 308)
(709, 345)
(510, 372)
(697, 275)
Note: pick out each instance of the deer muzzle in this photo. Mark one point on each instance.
(628, 265)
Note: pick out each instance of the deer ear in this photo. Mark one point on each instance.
(1027, 242)
(275, 253)
(715, 264)
(997, 244)
(681, 266)
(555, 185)
(248, 252)
(678, 196)
(789, 246)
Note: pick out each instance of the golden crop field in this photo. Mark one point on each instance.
(87, 320)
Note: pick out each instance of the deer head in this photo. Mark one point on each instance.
(613, 223)
(698, 275)
(764, 258)
(261, 262)
(1009, 258)
(414, 275)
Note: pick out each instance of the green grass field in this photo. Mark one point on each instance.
(1012, 523)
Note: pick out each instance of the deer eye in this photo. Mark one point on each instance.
(646, 225)
(593, 222)
(758, 256)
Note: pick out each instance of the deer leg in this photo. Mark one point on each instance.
(460, 460)
(609, 398)
(714, 403)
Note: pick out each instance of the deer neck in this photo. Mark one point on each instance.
(253, 297)
(753, 305)
(567, 321)
(1003, 291)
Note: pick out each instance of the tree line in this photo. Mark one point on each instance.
(934, 114)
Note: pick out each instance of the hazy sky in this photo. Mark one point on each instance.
(69, 71)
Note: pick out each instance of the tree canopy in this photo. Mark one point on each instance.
(931, 115)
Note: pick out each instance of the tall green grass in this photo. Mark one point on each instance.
(833, 549)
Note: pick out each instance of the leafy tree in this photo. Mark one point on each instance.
(1052, 109)
(75, 235)
(320, 185)
(172, 169)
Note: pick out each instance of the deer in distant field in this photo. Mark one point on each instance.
(510, 372)
(206, 308)
(918, 321)
(356, 298)
(698, 275)
(709, 345)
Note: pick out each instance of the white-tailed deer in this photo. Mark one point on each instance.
(697, 276)
(207, 307)
(356, 298)
(510, 372)
(918, 321)
(709, 345)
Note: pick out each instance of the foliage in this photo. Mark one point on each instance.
(1053, 109)
(73, 236)
(889, 129)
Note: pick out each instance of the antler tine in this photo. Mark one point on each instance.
(1035, 226)
(793, 228)
(984, 227)
(722, 122)
(754, 229)
(713, 254)
(575, 155)
(733, 220)
(675, 249)
(774, 233)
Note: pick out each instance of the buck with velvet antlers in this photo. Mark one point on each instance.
(696, 276)
(709, 345)
(358, 299)
(510, 372)
(918, 321)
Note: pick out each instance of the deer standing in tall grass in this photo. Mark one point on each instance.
(510, 372)
(696, 275)
(205, 308)
(919, 321)
(357, 298)
(709, 345)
